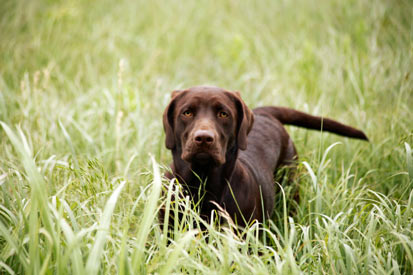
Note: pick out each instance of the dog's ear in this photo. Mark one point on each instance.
(168, 121)
(245, 120)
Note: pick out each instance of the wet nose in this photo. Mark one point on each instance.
(203, 137)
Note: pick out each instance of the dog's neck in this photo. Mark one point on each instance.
(213, 178)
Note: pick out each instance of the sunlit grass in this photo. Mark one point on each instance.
(82, 88)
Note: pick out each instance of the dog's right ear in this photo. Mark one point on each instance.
(168, 120)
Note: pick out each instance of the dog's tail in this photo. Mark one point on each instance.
(293, 117)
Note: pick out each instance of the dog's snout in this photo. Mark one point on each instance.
(204, 137)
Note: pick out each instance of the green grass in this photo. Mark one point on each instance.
(83, 85)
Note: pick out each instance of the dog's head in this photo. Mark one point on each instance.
(204, 122)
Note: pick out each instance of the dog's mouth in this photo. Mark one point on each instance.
(203, 158)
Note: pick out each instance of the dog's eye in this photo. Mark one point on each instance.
(187, 113)
(223, 114)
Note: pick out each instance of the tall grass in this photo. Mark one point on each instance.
(82, 88)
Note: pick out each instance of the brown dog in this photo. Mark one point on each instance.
(214, 137)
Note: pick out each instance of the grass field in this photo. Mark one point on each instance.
(83, 85)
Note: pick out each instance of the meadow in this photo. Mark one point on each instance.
(83, 85)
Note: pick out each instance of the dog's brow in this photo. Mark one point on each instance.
(220, 105)
(187, 106)
(191, 103)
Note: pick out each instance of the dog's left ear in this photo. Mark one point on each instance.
(245, 120)
(168, 121)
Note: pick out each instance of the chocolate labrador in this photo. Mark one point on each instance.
(217, 140)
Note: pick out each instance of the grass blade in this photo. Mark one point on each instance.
(39, 198)
(93, 261)
(148, 217)
(409, 160)
(172, 257)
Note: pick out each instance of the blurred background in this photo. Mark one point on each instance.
(83, 85)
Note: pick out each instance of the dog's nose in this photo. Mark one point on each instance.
(204, 137)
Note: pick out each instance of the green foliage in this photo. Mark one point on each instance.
(83, 85)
